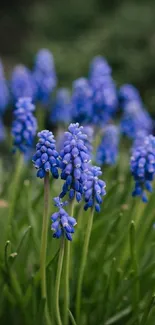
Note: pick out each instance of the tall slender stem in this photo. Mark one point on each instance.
(13, 193)
(44, 236)
(83, 265)
(58, 278)
(67, 269)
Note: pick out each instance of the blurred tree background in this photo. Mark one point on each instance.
(76, 30)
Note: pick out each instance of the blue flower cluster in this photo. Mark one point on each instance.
(22, 83)
(74, 162)
(94, 189)
(105, 101)
(46, 156)
(44, 75)
(81, 101)
(24, 126)
(62, 223)
(143, 167)
(107, 151)
(135, 117)
(61, 111)
(128, 93)
(99, 67)
(4, 92)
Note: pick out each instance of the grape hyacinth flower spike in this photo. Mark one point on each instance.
(61, 111)
(94, 189)
(81, 101)
(143, 167)
(4, 92)
(46, 156)
(44, 75)
(74, 162)
(62, 223)
(22, 83)
(107, 151)
(24, 125)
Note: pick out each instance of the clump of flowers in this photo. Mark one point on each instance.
(4, 92)
(44, 75)
(62, 223)
(128, 93)
(81, 101)
(22, 84)
(143, 167)
(46, 156)
(104, 98)
(94, 189)
(61, 111)
(99, 67)
(74, 161)
(24, 125)
(107, 151)
(135, 118)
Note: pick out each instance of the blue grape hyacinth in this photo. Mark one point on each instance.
(74, 161)
(62, 223)
(105, 101)
(81, 101)
(24, 125)
(94, 189)
(128, 93)
(135, 118)
(44, 75)
(22, 84)
(46, 156)
(61, 111)
(99, 67)
(143, 167)
(107, 151)
(4, 92)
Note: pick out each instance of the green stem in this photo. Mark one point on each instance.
(67, 269)
(136, 290)
(13, 192)
(44, 236)
(149, 306)
(40, 112)
(58, 278)
(83, 264)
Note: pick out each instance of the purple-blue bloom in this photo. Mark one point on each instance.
(4, 92)
(105, 101)
(62, 223)
(81, 101)
(143, 167)
(127, 93)
(46, 156)
(44, 75)
(99, 67)
(107, 151)
(74, 161)
(135, 118)
(22, 83)
(24, 125)
(61, 111)
(94, 189)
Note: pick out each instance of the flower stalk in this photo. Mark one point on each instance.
(83, 265)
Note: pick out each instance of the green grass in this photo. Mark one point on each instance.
(119, 278)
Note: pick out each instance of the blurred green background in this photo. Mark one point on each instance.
(121, 30)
